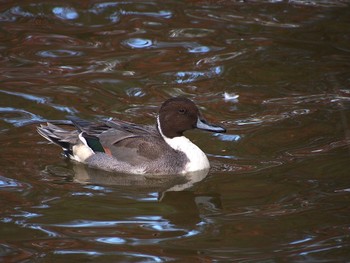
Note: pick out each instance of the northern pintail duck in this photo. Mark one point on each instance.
(119, 146)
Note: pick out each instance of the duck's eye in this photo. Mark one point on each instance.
(182, 111)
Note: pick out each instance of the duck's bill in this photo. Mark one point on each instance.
(204, 125)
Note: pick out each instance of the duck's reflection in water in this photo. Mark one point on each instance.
(149, 182)
(172, 190)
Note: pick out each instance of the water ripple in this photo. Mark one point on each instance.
(111, 240)
(201, 49)
(135, 92)
(220, 58)
(137, 256)
(312, 150)
(38, 38)
(24, 118)
(228, 137)
(315, 99)
(59, 53)
(271, 118)
(37, 99)
(10, 184)
(162, 13)
(285, 103)
(324, 3)
(138, 43)
(190, 32)
(12, 253)
(182, 77)
(224, 16)
(67, 13)
(143, 43)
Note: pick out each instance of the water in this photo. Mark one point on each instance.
(275, 73)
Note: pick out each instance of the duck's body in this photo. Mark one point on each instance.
(118, 146)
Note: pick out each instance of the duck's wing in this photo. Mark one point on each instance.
(88, 127)
(131, 143)
(121, 128)
(141, 130)
(124, 141)
(133, 149)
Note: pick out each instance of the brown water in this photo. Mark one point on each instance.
(275, 73)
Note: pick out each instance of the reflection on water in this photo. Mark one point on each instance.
(159, 183)
(275, 73)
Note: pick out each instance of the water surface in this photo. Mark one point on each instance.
(275, 73)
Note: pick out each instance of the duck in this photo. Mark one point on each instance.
(114, 145)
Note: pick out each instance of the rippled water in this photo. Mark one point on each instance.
(275, 73)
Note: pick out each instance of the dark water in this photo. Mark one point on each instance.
(275, 73)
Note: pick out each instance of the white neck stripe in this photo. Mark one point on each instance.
(159, 128)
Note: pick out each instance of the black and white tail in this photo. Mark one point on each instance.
(64, 138)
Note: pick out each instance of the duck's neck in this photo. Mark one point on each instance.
(197, 160)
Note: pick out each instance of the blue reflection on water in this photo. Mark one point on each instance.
(138, 42)
(33, 117)
(89, 223)
(67, 13)
(82, 194)
(161, 13)
(306, 239)
(6, 183)
(85, 252)
(20, 220)
(59, 53)
(201, 49)
(191, 76)
(40, 228)
(26, 117)
(228, 137)
(111, 240)
(34, 98)
(26, 214)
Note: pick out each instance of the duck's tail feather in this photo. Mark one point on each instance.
(64, 138)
